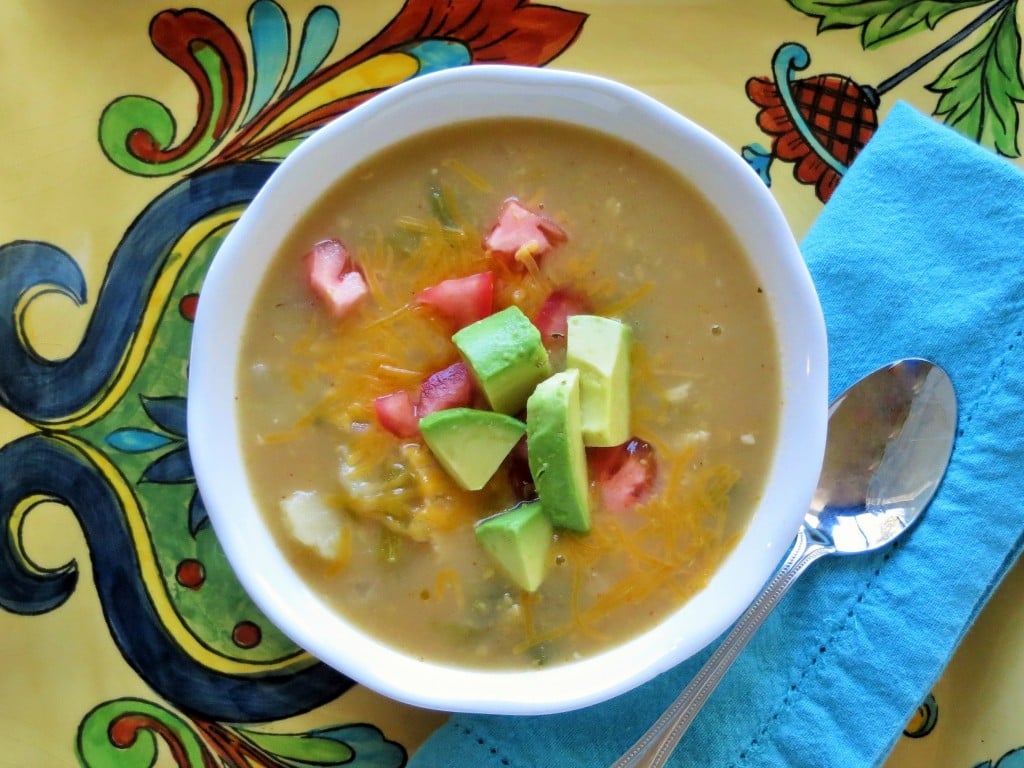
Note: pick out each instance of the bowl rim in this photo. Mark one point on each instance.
(482, 91)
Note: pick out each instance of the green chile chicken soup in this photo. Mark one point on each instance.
(509, 393)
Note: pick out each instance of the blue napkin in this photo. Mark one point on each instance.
(920, 252)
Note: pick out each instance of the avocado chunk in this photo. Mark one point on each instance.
(507, 357)
(599, 348)
(470, 444)
(554, 443)
(518, 539)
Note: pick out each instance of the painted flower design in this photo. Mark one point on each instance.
(819, 124)
(263, 116)
(111, 440)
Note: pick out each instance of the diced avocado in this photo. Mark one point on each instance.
(507, 357)
(599, 348)
(518, 540)
(554, 443)
(470, 444)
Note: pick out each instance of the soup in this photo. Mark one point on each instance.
(360, 503)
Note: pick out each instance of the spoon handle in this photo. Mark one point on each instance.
(653, 749)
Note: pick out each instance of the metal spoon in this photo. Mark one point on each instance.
(889, 441)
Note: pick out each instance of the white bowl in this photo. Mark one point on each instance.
(235, 275)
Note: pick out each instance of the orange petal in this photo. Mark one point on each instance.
(810, 168)
(791, 147)
(774, 120)
(827, 185)
(763, 92)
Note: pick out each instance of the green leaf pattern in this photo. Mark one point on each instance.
(982, 88)
(882, 20)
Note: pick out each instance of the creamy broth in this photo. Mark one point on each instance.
(400, 558)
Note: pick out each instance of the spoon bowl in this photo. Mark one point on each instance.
(889, 440)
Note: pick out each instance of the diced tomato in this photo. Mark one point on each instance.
(451, 387)
(624, 474)
(348, 291)
(397, 414)
(552, 317)
(332, 278)
(462, 300)
(519, 227)
(325, 262)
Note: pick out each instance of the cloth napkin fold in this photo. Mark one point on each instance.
(920, 252)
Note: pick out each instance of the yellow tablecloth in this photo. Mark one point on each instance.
(122, 120)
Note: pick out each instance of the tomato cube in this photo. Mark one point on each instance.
(552, 317)
(332, 279)
(518, 227)
(451, 387)
(624, 474)
(397, 414)
(462, 300)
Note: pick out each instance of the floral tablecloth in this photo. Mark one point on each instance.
(134, 133)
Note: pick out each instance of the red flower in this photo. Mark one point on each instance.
(835, 117)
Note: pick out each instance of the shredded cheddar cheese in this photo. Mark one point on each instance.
(468, 174)
(394, 343)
